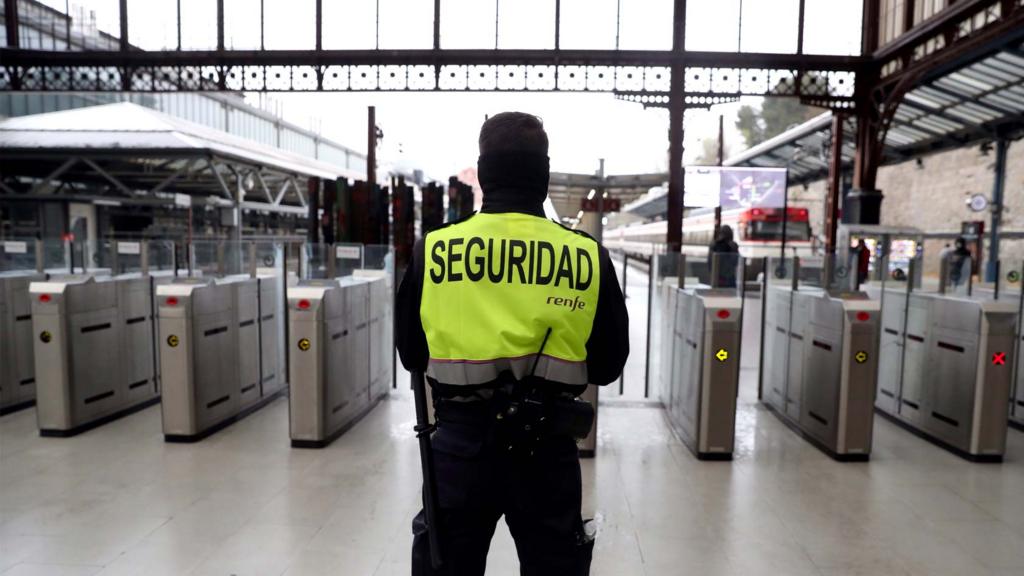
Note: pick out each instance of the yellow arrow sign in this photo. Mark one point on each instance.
(861, 357)
(722, 354)
(172, 341)
(304, 344)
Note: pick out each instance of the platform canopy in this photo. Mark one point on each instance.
(131, 154)
(977, 103)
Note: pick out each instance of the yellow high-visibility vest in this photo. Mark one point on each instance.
(492, 286)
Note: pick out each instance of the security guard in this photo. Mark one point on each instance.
(510, 315)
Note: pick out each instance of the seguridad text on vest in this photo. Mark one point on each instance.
(509, 260)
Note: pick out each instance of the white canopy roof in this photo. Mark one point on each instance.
(132, 128)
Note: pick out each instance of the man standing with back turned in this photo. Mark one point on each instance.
(510, 315)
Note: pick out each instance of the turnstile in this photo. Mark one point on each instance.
(220, 351)
(946, 368)
(820, 364)
(341, 346)
(1016, 418)
(17, 368)
(703, 344)
(93, 346)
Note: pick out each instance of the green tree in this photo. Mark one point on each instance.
(775, 116)
(709, 152)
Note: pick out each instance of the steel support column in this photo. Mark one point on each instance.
(313, 203)
(220, 25)
(371, 146)
(11, 22)
(676, 112)
(319, 25)
(835, 183)
(123, 6)
(998, 187)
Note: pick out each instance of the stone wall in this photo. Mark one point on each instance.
(931, 196)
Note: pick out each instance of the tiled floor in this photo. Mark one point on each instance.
(118, 500)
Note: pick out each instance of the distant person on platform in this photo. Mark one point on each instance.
(727, 253)
(959, 259)
(863, 254)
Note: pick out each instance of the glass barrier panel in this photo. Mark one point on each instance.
(379, 257)
(957, 278)
(218, 258)
(665, 273)
(725, 270)
(18, 255)
(268, 255)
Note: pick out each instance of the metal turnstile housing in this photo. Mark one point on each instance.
(17, 366)
(93, 347)
(704, 346)
(219, 357)
(947, 370)
(340, 346)
(822, 353)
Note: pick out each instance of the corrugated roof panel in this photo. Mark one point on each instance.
(931, 98)
(986, 77)
(1005, 99)
(1002, 72)
(939, 124)
(970, 115)
(965, 84)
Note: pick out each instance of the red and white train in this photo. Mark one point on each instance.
(757, 231)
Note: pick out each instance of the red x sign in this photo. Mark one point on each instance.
(999, 359)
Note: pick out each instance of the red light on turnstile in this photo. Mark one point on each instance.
(44, 298)
(172, 301)
(723, 314)
(999, 359)
(303, 304)
(863, 316)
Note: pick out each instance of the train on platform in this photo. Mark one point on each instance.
(757, 232)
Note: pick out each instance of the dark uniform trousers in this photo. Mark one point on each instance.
(487, 467)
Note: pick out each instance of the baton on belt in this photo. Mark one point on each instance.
(430, 502)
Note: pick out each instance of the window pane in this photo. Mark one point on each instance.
(406, 24)
(588, 24)
(350, 25)
(153, 24)
(712, 25)
(832, 27)
(242, 24)
(770, 26)
(198, 25)
(525, 24)
(467, 23)
(290, 24)
(108, 15)
(646, 25)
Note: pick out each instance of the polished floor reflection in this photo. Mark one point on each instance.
(118, 500)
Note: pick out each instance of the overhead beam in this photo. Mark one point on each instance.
(439, 57)
(99, 170)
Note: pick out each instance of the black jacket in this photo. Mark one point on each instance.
(607, 348)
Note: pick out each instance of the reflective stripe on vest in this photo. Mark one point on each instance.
(492, 286)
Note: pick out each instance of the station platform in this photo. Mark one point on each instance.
(118, 500)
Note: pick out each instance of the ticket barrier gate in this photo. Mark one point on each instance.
(945, 370)
(1017, 401)
(17, 367)
(93, 346)
(704, 347)
(221, 355)
(341, 338)
(820, 365)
